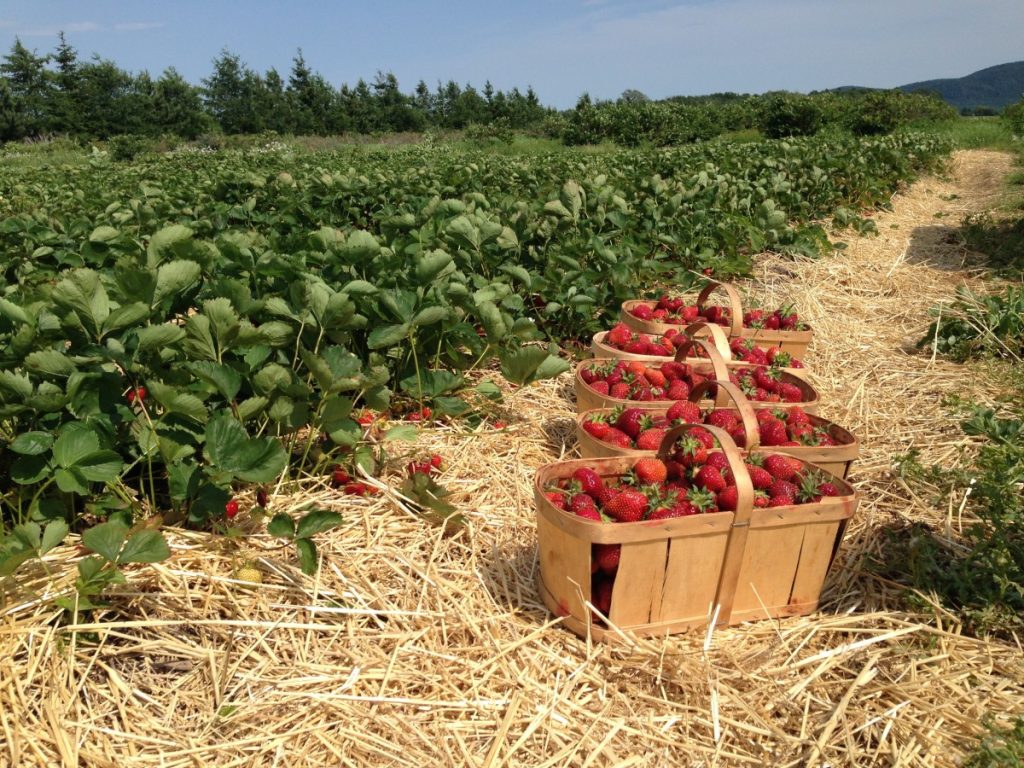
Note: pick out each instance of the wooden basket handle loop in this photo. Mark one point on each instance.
(735, 305)
(751, 427)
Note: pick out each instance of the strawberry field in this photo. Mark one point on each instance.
(268, 443)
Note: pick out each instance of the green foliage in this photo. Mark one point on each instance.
(982, 579)
(1013, 116)
(788, 114)
(300, 533)
(978, 325)
(128, 146)
(1001, 748)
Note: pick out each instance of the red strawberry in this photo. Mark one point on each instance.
(596, 428)
(691, 452)
(619, 391)
(231, 509)
(607, 556)
(650, 439)
(828, 489)
(790, 392)
(717, 460)
(602, 599)
(723, 418)
(589, 480)
(580, 502)
(628, 506)
(782, 467)
(705, 437)
(783, 488)
(601, 387)
(651, 471)
(339, 476)
(728, 498)
(685, 411)
(557, 498)
(619, 335)
(589, 513)
(136, 393)
(760, 477)
(760, 499)
(262, 499)
(773, 432)
(710, 479)
(629, 421)
(618, 438)
(642, 311)
(797, 415)
(677, 390)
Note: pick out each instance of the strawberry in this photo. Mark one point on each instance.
(365, 418)
(601, 387)
(797, 415)
(783, 488)
(607, 556)
(618, 438)
(761, 499)
(760, 477)
(596, 428)
(655, 377)
(589, 480)
(779, 501)
(619, 391)
(557, 499)
(580, 501)
(782, 467)
(630, 421)
(619, 335)
(717, 460)
(249, 573)
(651, 471)
(710, 479)
(650, 439)
(773, 432)
(136, 393)
(340, 476)
(602, 595)
(728, 498)
(356, 489)
(678, 390)
(589, 513)
(790, 392)
(723, 418)
(231, 509)
(684, 411)
(701, 501)
(262, 499)
(705, 437)
(628, 506)
(691, 452)
(828, 489)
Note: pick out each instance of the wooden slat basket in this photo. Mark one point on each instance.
(673, 574)
(713, 366)
(793, 342)
(834, 459)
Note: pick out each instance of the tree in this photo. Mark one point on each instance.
(272, 103)
(178, 107)
(10, 114)
(633, 96)
(231, 94)
(66, 102)
(29, 85)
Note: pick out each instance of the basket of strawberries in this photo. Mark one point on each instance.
(607, 432)
(660, 543)
(633, 383)
(624, 343)
(781, 328)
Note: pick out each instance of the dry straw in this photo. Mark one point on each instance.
(409, 648)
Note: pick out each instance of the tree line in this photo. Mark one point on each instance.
(60, 93)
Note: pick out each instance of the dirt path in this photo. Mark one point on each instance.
(413, 649)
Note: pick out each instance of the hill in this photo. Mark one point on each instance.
(994, 87)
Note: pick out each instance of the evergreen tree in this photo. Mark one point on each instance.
(29, 85)
(66, 101)
(178, 107)
(231, 94)
(272, 103)
(11, 127)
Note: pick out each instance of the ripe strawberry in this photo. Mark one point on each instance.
(828, 489)
(701, 501)
(607, 556)
(760, 499)
(339, 476)
(231, 509)
(685, 411)
(589, 513)
(262, 499)
(136, 393)
(773, 432)
(760, 477)
(728, 498)
(691, 452)
(630, 420)
(651, 471)
(790, 392)
(689, 313)
(357, 489)
(589, 480)
(710, 479)
(667, 513)
(717, 460)
(628, 506)
(797, 415)
(365, 418)
(677, 390)
(705, 437)
(619, 335)
(618, 438)
(601, 387)
(655, 377)
(723, 418)
(619, 391)
(650, 439)
(557, 498)
(596, 428)
(783, 488)
(782, 467)
(602, 595)
(580, 501)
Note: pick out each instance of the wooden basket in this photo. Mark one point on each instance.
(714, 365)
(833, 459)
(718, 336)
(673, 574)
(793, 342)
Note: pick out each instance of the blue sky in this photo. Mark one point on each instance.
(560, 47)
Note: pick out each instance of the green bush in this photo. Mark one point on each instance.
(1014, 116)
(788, 114)
(128, 146)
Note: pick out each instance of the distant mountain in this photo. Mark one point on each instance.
(994, 87)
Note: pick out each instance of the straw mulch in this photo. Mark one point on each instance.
(414, 649)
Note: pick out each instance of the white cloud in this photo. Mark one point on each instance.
(74, 27)
(137, 26)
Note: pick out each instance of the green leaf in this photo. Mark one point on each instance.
(429, 316)
(175, 400)
(250, 407)
(281, 526)
(103, 234)
(53, 535)
(106, 539)
(82, 293)
(387, 336)
(26, 470)
(492, 321)
(307, 555)
(403, 432)
(489, 389)
(158, 336)
(100, 467)
(174, 278)
(225, 379)
(317, 521)
(359, 288)
(167, 243)
(432, 264)
(49, 362)
(70, 480)
(75, 441)
(430, 383)
(360, 246)
(125, 316)
(32, 443)
(451, 406)
(145, 546)
(254, 459)
(519, 273)
(528, 364)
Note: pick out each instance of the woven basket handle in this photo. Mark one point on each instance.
(718, 336)
(748, 415)
(735, 306)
